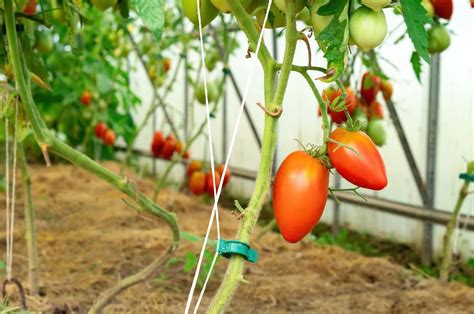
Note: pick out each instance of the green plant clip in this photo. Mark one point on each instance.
(467, 177)
(227, 248)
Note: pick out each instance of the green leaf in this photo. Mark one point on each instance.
(190, 262)
(416, 64)
(152, 13)
(415, 18)
(335, 36)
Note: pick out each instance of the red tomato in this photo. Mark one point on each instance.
(186, 154)
(364, 168)
(166, 65)
(109, 138)
(197, 183)
(376, 110)
(100, 129)
(443, 8)
(351, 103)
(370, 87)
(227, 175)
(30, 7)
(300, 192)
(210, 184)
(194, 165)
(179, 147)
(387, 90)
(86, 98)
(472, 3)
(157, 143)
(168, 149)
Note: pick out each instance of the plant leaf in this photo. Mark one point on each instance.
(415, 18)
(152, 13)
(416, 64)
(335, 36)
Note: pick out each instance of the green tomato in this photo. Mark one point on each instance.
(428, 7)
(376, 5)
(361, 116)
(211, 60)
(208, 11)
(44, 42)
(368, 28)
(276, 18)
(376, 131)
(212, 93)
(103, 4)
(305, 16)
(223, 6)
(281, 4)
(439, 39)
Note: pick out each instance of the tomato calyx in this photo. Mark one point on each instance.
(317, 152)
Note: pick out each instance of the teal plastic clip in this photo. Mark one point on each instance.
(227, 248)
(467, 177)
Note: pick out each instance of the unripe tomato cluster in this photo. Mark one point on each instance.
(165, 147)
(200, 181)
(105, 134)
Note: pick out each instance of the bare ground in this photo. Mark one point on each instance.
(88, 238)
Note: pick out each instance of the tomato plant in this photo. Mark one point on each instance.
(356, 159)
(299, 194)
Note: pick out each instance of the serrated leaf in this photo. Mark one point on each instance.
(415, 17)
(335, 36)
(152, 13)
(416, 64)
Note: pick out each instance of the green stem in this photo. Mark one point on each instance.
(234, 276)
(447, 240)
(30, 234)
(48, 142)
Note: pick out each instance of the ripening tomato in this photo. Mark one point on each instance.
(370, 87)
(179, 147)
(330, 94)
(367, 28)
(472, 3)
(387, 90)
(86, 98)
(109, 137)
(166, 65)
(210, 184)
(376, 110)
(30, 7)
(194, 165)
(443, 8)
(103, 5)
(157, 143)
(359, 162)
(227, 175)
(197, 183)
(187, 154)
(428, 7)
(168, 149)
(300, 192)
(100, 129)
(208, 11)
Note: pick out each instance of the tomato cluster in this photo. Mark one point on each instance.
(105, 134)
(86, 98)
(200, 182)
(165, 147)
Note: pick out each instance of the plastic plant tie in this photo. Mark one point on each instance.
(227, 248)
(467, 177)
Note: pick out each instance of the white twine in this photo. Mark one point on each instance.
(215, 211)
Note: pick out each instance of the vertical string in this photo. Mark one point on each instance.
(7, 196)
(13, 192)
(217, 193)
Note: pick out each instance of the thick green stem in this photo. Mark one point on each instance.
(447, 240)
(234, 275)
(30, 234)
(54, 145)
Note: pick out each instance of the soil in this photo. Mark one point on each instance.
(88, 238)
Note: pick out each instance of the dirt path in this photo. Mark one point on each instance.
(88, 238)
